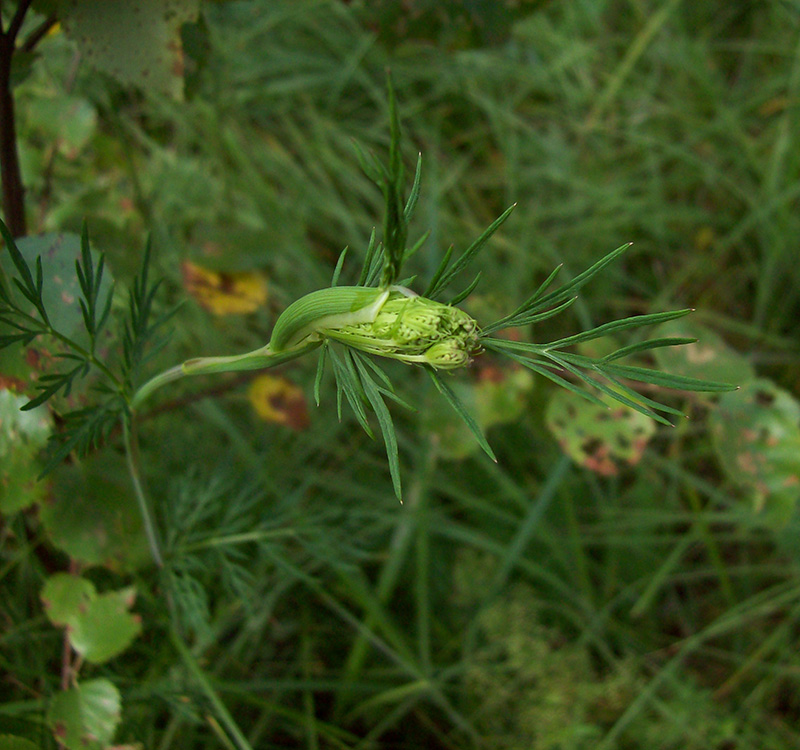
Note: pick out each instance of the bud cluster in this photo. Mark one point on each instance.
(414, 330)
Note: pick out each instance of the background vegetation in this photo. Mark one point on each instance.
(642, 591)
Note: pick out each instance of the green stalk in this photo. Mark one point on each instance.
(224, 716)
(259, 359)
(132, 456)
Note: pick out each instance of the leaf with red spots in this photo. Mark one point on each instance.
(92, 514)
(86, 716)
(756, 433)
(600, 439)
(22, 435)
(61, 294)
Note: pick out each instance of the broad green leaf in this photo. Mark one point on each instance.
(106, 627)
(86, 716)
(599, 438)
(756, 434)
(99, 626)
(22, 435)
(92, 514)
(137, 42)
(65, 597)
(710, 358)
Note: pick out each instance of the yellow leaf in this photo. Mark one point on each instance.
(278, 400)
(224, 293)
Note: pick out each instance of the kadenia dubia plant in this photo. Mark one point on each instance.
(351, 326)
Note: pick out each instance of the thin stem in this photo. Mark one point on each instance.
(189, 661)
(259, 359)
(132, 458)
(174, 373)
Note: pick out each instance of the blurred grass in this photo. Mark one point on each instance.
(525, 604)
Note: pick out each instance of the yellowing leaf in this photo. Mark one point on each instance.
(224, 293)
(277, 400)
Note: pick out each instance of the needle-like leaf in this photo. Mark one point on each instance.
(462, 412)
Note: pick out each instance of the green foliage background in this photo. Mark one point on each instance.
(527, 604)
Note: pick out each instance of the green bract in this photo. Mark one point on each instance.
(325, 308)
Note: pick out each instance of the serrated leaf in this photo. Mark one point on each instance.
(99, 626)
(86, 716)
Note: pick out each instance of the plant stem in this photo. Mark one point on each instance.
(132, 458)
(174, 373)
(189, 661)
(259, 359)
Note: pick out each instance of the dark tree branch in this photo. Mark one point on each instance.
(38, 33)
(16, 21)
(12, 188)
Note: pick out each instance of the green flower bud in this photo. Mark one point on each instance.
(414, 330)
(447, 355)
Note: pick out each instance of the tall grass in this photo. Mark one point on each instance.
(525, 604)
